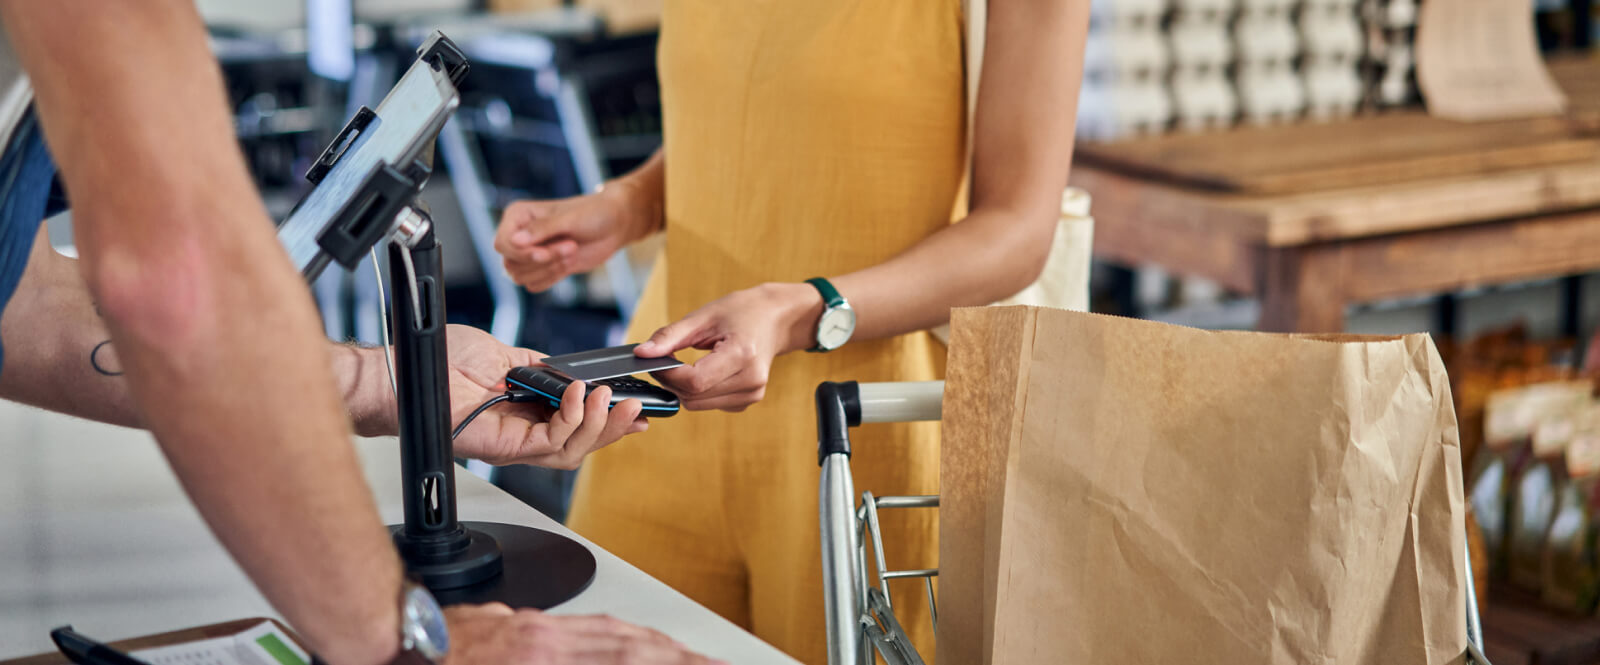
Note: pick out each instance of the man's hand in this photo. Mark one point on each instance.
(496, 635)
(507, 433)
(527, 433)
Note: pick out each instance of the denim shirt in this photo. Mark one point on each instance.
(27, 196)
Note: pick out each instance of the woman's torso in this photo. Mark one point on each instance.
(805, 139)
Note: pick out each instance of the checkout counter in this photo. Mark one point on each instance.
(96, 532)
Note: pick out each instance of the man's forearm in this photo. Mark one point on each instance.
(198, 296)
(368, 396)
(58, 353)
(60, 356)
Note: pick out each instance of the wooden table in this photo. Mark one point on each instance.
(1308, 256)
(1526, 205)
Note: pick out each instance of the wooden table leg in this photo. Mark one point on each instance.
(1302, 289)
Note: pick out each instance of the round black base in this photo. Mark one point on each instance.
(472, 558)
(539, 569)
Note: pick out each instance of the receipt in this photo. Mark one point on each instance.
(263, 644)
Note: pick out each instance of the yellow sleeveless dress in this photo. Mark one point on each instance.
(803, 139)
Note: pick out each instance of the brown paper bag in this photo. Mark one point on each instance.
(1121, 491)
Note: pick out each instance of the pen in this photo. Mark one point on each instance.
(83, 650)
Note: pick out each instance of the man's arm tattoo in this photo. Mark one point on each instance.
(94, 360)
(94, 355)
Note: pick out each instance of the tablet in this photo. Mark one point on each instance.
(344, 210)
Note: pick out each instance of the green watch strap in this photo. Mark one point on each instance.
(830, 295)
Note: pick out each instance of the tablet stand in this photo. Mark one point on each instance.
(366, 188)
(460, 562)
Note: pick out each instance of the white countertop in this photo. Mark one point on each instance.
(95, 532)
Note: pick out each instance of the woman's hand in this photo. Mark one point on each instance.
(744, 331)
(544, 241)
(526, 433)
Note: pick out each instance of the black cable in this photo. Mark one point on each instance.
(484, 407)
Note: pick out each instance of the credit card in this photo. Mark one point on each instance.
(611, 363)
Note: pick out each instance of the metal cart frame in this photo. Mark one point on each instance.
(859, 616)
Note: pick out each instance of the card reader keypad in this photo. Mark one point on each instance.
(624, 383)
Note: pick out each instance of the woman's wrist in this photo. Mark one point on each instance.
(642, 206)
(800, 307)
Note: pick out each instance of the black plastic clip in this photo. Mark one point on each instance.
(444, 56)
(341, 144)
(366, 218)
(838, 410)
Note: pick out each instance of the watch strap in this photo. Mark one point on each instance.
(411, 657)
(830, 296)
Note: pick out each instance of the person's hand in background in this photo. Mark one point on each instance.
(507, 433)
(496, 635)
(545, 241)
(744, 331)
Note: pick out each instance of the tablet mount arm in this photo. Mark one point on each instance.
(459, 562)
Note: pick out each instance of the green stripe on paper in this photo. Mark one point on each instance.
(279, 651)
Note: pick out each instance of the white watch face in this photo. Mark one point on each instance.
(835, 327)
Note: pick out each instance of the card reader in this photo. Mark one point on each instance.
(551, 384)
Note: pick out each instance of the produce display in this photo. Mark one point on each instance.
(1530, 435)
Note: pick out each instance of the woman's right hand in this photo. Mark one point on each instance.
(544, 241)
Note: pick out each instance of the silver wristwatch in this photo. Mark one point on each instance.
(838, 321)
(424, 637)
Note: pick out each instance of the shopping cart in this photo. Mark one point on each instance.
(860, 618)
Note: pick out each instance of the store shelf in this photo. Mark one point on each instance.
(1518, 631)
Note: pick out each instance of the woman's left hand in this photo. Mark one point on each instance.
(744, 331)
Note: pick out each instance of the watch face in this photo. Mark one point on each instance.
(423, 623)
(835, 327)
